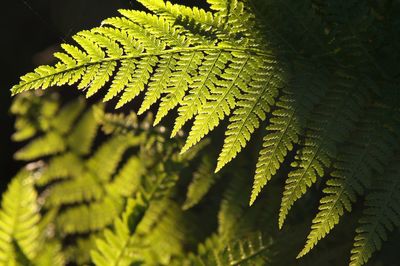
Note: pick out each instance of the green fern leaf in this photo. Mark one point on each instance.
(181, 78)
(203, 179)
(253, 106)
(286, 125)
(172, 12)
(212, 66)
(49, 144)
(19, 217)
(319, 146)
(250, 250)
(165, 58)
(160, 234)
(50, 255)
(221, 99)
(81, 138)
(60, 167)
(116, 247)
(82, 188)
(158, 82)
(373, 145)
(65, 118)
(92, 217)
(380, 215)
(127, 181)
(233, 205)
(106, 159)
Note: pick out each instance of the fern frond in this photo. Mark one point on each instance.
(19, 217)
(221, 99)
(232, 207)
(49, 144)
(80, 251)
(67, 115)
(316, 73)
(116, 247)
(50, 255)
(250, 250)
(83, 188)
(158, 82)
(372, 146)
(253, 105)
(59, 167)
(211, 67)
(176, 13)
(157, 26)
(218, 5)
(108, 156)
(160, 233)
(328, 127)
(169, 61)
(185, 68)
(202, 181)
(117, 123)
(80, 139)
(92, 217)
(92, 189)
(127, 181)
(381, 215)
(287, 124)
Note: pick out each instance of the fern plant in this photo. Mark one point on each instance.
(23, 238)
(320, 79)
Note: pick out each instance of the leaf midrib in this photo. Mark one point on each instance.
(250, 51)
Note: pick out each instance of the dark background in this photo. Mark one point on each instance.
(33, 30)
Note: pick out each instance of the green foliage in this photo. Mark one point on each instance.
(173, 60)
(94, 182)
(23, 240)
(252, 250)
(380, 215)
(320, 79)
(353, 172)
(19, 219)
(118, 247)
(203, 180)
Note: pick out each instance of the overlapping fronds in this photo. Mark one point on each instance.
(117, 247)
(93, 183)
(321, 79)
(353, 171)
(328, 126)
(227, 76)
(286, 124)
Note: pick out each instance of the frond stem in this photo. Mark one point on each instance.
(244, 50)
